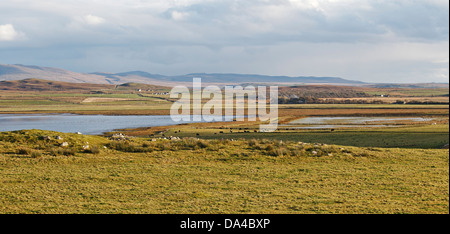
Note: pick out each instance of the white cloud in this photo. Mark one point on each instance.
(8, 33)
(93, 20)
(177, 15)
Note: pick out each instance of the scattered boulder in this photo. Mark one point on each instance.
(445, 146)
(118, 137)
(79, 133)
(64, 144)
(59, 138)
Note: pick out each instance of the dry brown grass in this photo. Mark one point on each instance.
(95, 99)
(161, 129)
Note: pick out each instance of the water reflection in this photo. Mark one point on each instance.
(86, 124)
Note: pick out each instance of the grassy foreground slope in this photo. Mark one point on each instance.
(140, 175)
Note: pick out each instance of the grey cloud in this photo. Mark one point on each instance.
(279, 37)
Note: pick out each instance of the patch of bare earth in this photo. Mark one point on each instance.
(94, 99)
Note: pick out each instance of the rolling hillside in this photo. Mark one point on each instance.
(20, 72)
(49, 85)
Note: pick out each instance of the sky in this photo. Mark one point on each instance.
(380, 41)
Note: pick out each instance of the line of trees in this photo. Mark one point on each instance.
(313, 100)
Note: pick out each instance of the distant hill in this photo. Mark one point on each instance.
(20, 72)
(49, 85)
(230, 78)
(411, 86)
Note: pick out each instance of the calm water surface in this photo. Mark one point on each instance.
(86, 124)
(351, 122)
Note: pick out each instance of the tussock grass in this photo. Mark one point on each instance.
(37, 143)
(215, 176)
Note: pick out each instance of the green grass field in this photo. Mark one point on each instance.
(426, 137)
(362, 170)
(196, 176)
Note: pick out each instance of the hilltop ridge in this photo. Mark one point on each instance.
(21, 72)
